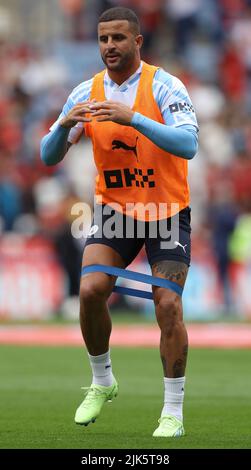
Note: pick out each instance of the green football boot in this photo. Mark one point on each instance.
(169, 426)
(95, 398)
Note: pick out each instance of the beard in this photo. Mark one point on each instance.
(122, 63)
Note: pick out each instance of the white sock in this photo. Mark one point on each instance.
(173, 397)
(101, 369)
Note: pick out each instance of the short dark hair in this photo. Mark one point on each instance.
(121, 13)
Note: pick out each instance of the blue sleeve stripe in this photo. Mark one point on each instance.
(181, 95)
(158, 93)
(164, 78)
(82, 95)
(82, 85)
(67, 107)
(82, 89)
(167, 90)
(162, 86)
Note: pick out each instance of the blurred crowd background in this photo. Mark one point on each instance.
(46, 49)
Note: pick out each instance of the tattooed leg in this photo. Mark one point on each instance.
(168, 306)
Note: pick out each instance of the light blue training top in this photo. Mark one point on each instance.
(179, 134)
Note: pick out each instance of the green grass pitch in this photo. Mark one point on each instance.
(40, 390)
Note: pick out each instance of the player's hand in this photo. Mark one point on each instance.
(112, 111)
(77, 114)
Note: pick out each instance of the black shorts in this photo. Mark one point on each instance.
(127, 236)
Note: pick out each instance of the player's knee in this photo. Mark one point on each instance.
(168, 310)
(168, 302)
(92, 290)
